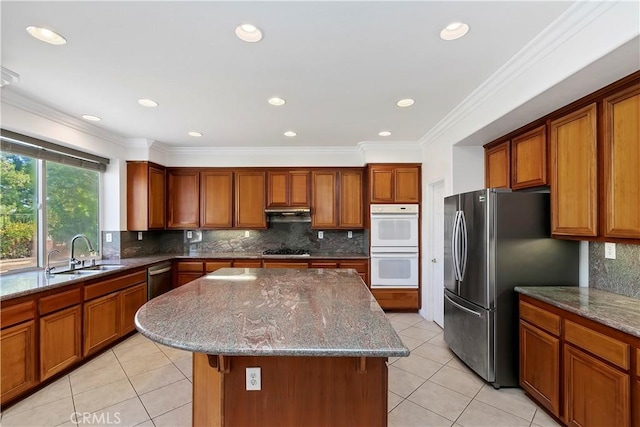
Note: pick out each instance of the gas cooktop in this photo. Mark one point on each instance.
(285, 252)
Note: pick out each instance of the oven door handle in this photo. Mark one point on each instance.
(394, 255)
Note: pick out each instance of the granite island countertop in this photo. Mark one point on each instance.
(614, 310)
(13, 285)
(272, 312)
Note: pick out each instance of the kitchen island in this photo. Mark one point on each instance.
(319, 337)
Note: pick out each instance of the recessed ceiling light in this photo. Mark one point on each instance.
(91, 118)
(407, 102)
(147, 102)
(196, 134)
(384, 133)
(248, 33)
(46, 35)
(454, 31)
(276, 101)
(290, 133)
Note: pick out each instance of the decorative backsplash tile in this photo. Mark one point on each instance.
(125, 244)
(620, 275)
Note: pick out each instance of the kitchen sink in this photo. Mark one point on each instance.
(86, 271)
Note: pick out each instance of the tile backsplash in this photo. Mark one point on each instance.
(125, 244)
(620, 275)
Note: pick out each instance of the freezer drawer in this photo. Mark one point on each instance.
(468, 330)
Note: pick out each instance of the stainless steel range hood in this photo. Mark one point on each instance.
(285, 214)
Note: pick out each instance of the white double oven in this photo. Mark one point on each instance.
(394, 246)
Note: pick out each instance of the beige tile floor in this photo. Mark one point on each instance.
(141, 383)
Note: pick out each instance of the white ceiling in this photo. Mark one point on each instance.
(341, 66)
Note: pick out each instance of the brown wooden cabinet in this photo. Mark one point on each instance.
(183, 195)
(621, 152)
(288, 188)
(247, 263)
(596, 394)
(250, 199)
(216, 199)
(60, 340)
(397, 299)
(146, 199)
(17, 359)
(337, 199)
(131, 299)
(497, 165)
(529, 159)
(574, 174)
(187, 271)
(394, 183)
(211, 266)
(101, 322)
(284, 264)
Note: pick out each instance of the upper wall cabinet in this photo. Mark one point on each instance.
(622, 163)
(145, 196)
(394, 183)
(574, 173)
(497, 164)
(529, 159)
(337, 199)
(183, 190)
(216, 199)
(288, 188)
(250, 199)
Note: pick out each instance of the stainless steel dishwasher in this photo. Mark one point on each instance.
(159, 280)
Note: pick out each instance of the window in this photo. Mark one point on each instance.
(44, 203)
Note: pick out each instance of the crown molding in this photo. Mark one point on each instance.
(253, 150)
(389, 145)
(38, 108)
(567, 25)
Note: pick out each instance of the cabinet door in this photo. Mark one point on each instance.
(381, 182)
(101, 322)
(60, 338)
(407, 185)
(351, 203)
(497, 166)
(323, 188)
(250, 200)
(278, 188)
(622, 164)
(131, 299)
(299, 189)
(574, 174)
(184, 199)
(216, 199)
(540, 366)
(17, 359)
(596, 394)
(157, 203)
(529, 159)
(361, 267)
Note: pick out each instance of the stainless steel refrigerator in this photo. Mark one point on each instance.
(496, 240)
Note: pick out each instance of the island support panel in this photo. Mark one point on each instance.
(309, 391)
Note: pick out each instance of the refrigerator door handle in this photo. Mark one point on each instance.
(463, 308)
(463, 232)
(454, 246)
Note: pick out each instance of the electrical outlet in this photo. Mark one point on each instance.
(246, 233)
(108, 237)
(189, 234)
(253, 379)
(139, 235)
(320, 234)
(610, 250)
(349, 234)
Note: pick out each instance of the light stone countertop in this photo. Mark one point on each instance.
(272, 312)
(614, 310)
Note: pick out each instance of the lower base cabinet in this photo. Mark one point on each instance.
(131, 300)
(596, 394)
(17, 351)
(101, 322)
(397, 299)
(60, 341)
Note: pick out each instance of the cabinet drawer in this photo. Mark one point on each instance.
(541, 318)
(115, 284)
(360, 267)
(17, 313)
(396, 299)
(638, 363)
(211, 266)
(241, 263)
(610, 349)
(59, 301)
(195, 266)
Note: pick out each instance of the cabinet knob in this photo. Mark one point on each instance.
(433, 260)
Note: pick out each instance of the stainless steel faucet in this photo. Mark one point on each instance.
(49, 268)
(73, 262)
